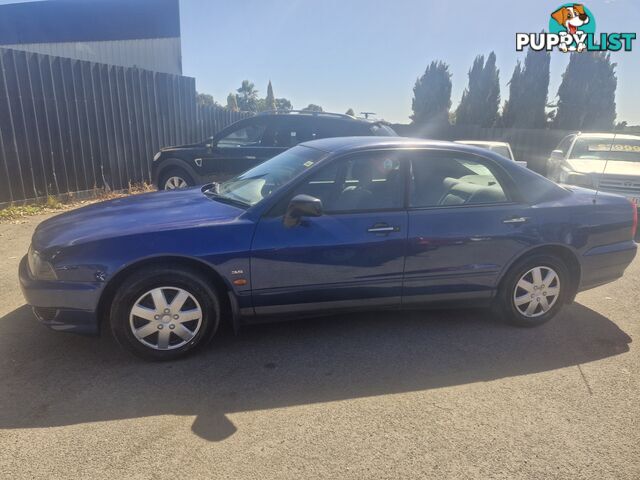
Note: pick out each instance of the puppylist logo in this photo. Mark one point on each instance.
(572, 28)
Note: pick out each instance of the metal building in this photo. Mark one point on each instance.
(129, 33)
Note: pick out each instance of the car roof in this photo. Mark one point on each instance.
(342, 144)
(620, 136)
(483, 142)
(315, 115)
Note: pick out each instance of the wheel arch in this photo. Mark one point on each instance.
(228, 301)
(563, 252)
(173, 162)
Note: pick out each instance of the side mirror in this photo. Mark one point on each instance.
(302, 206)
(557, 155)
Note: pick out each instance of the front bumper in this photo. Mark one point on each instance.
(605, 264)
(62, 306)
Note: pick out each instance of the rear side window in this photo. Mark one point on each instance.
(502, 150)
(442, 179)
(287, 134)
(380, 130)
(328, 128)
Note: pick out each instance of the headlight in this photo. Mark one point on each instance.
(39, 268)
(157, 156)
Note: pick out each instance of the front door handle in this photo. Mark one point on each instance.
(250, 157)
(382, 228)
(516, 220)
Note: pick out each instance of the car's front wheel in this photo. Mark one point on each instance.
(175, 179)
(533, 290)
(163, 313)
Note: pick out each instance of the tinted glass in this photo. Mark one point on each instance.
(287, 134)
(442, 179)
(248, 136)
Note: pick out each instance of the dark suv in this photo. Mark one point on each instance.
(251, 141)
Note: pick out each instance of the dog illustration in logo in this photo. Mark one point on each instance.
(572, 18)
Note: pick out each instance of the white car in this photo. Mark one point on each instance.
(501, 148)
(605, 161)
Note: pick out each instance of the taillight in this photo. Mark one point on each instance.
(634, 226)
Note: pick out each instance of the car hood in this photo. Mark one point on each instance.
(614, 167)
(146, 213)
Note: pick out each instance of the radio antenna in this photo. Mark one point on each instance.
(613, 141)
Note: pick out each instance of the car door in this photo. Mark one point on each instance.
(351, 256)
(465, 225)
(237, 149)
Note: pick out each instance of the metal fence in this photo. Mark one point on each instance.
(70, 126)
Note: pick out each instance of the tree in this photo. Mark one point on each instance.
(481, 99)
(432, 95)
(206, 99)
(528, 92)
(232, 102)
(313, 108)
(270, 100)
(587, 94)
(350, 112)
(247, 97)
(283, 104)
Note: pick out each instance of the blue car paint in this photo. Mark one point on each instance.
(328, 262)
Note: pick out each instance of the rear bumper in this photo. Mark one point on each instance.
(606, 263)
(62, 306)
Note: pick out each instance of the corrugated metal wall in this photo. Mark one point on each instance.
(68, 125)
(156, 54)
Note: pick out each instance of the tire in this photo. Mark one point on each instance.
(525, 307)
(153, 330)
(177, 177)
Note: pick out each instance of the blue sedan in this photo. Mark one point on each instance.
(330, 225)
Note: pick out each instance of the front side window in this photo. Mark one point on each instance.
(363, 182)
(247, 136)
(450, 179)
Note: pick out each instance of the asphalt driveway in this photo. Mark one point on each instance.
(382, 395)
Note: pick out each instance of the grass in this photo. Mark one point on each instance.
(52, 204)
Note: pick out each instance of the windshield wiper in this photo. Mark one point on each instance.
(224, 199)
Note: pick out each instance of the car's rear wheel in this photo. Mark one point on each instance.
(175, 179)
(533, 291)
(163, 313)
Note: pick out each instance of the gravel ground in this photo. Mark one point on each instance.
(414, 395)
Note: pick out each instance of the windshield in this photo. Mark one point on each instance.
(627, 150)
(258, 183)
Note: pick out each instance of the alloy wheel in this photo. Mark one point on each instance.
(175, 182)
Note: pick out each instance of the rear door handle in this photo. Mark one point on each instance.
(516, 220)
(382, 228)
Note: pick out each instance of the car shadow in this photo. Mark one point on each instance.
(51, 379)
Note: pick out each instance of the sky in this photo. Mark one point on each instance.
(367, 54)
